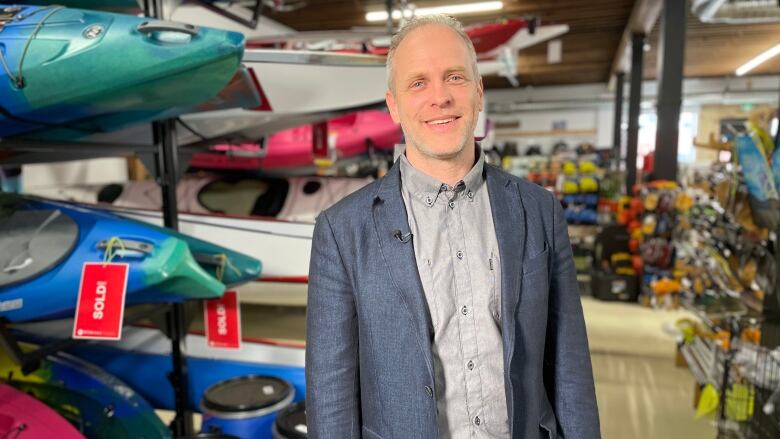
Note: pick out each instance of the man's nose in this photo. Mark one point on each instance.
(441, 95)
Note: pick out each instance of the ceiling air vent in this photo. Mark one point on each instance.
(737, 11)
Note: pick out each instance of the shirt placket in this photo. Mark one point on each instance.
(467, 325)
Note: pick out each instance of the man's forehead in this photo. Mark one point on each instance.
(425, 30)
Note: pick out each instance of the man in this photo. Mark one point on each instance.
(442, 298)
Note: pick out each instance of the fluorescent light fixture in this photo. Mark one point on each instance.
(755, 62)
(465, 8)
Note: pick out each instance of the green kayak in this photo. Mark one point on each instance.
(66, 73)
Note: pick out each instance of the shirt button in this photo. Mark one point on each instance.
(470, 365)
(460, 254)
(451, 204)
(428, 201)
(470, 194)
(477, 421)
(464, 310)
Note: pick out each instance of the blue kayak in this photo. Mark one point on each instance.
(45, 245)
(67, 73)
(142, 359)
(96, 403)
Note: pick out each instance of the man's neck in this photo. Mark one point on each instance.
(449, 171)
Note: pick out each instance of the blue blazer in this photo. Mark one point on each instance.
(369, 367)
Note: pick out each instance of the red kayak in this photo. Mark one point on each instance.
(350, 136)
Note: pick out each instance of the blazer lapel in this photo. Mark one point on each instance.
(390, 216)
(509, 222)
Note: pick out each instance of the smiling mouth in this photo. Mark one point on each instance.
(443, 121)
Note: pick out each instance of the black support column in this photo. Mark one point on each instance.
(167, 167)
(617, 130)
(671, 57)
(634, 101)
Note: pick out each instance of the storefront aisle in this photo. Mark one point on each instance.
(640, 392)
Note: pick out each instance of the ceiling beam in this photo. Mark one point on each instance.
(642, 19)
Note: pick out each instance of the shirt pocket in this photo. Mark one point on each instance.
(495, 287)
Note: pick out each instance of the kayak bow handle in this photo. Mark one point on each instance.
(150, 27)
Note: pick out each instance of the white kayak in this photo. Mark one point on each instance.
(283, 243)
(298, 82)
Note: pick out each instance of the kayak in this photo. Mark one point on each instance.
(142, 359)
(96, 403)
(349, 135)
(293, 82)
(20, 412)
(297, 199)
(48, 242)
(108, 70)
(245, 212)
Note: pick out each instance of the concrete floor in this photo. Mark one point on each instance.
(640, 392)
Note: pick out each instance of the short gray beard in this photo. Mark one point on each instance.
(428, 152)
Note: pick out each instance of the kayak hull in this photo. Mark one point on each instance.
(134, 74)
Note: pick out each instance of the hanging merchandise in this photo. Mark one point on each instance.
(651, 239)
(763, 196)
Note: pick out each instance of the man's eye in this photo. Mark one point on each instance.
(417, 84)
(456, 78)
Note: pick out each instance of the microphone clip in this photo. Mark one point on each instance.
(403, 237)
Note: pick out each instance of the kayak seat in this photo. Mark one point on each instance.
(34, 241)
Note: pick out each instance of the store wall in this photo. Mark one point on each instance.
(546, 128)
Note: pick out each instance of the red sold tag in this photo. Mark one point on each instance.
(223, 321)
(101, 303)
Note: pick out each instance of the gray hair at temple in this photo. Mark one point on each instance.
(418, 22)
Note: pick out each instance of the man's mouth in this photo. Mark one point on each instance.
(442, 121)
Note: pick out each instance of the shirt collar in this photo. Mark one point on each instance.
(428, 189)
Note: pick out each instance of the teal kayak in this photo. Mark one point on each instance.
(67, 73)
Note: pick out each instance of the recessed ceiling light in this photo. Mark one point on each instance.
(465, 8)
(755, 62)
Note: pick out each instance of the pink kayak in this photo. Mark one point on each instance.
(293, 148)
(25, 417)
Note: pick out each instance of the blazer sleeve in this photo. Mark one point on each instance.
(332, 375)
(568, 372)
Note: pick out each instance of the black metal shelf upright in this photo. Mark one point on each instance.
(167, 171)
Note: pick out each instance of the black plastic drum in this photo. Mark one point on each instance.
(246, 406)
(291, 422)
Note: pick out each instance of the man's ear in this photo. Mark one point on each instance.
(481, 93)
(390, 101)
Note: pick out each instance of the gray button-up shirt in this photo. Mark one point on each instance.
(457, 257)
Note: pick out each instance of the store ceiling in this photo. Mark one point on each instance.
(589, 48)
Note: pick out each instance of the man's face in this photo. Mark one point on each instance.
(437, 98)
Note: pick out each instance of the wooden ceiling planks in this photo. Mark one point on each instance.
(589, 47)
(717, 50)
